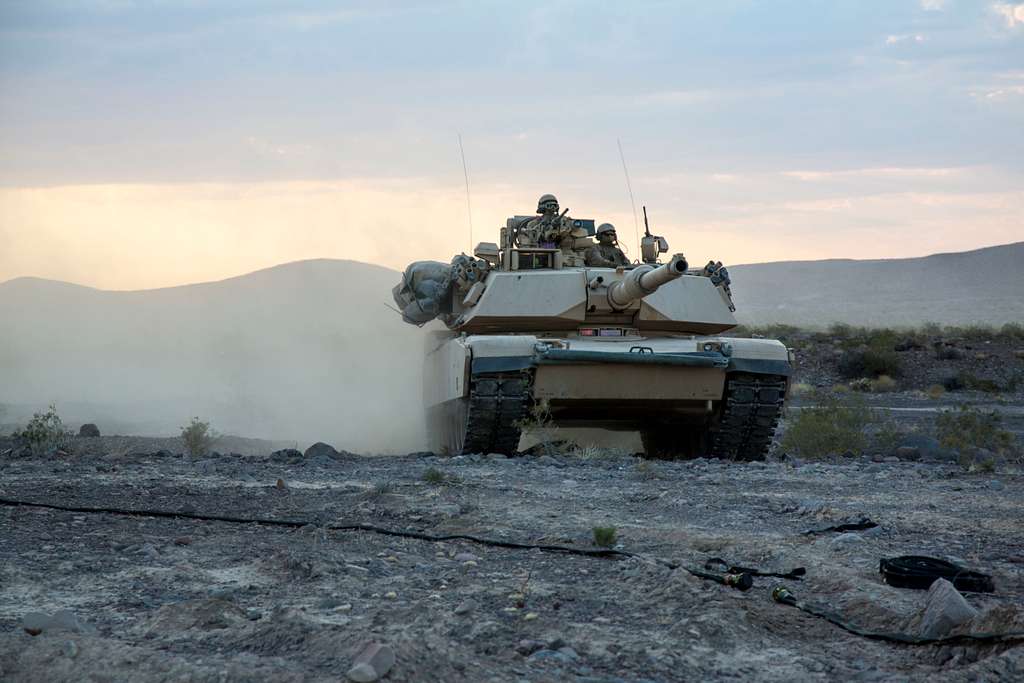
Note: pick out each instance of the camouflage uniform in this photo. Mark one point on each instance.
(605, 254)
(548, 228)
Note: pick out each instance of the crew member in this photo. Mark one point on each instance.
(606, 253)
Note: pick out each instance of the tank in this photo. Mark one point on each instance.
(529, 329)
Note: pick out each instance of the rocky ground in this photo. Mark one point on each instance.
(170, 598)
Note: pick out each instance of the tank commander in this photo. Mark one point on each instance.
(606, 253)
(549, 228)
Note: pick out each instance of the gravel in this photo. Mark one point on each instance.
(241, 602)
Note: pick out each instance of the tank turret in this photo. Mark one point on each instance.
(533, 319)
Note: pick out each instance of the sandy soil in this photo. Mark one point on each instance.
(161, 599)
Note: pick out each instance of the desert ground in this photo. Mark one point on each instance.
(174, 597)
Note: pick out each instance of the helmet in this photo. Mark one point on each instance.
(605, 227)
(547, 201)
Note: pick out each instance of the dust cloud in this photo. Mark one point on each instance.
(302, 352)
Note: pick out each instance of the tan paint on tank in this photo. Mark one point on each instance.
(628, 382)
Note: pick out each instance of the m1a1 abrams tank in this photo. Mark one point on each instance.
(630, 348)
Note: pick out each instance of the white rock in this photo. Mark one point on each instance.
(944, 610)
(363, 673)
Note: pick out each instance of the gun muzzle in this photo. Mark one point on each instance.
(644, 280)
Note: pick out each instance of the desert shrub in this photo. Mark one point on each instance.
(830, 426)
(888, 435)
(800, 389)
(976, 383)
(967, 428)
(935, 392)
(1012, 332)
(198, 437)
(605, 536)
(953, 382)
(947, 352)
(840, 330)
(434, 476)
(870, 362)
(44, 432)
(860, 384)
(883, 384)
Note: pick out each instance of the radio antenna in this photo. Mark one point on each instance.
(469, 204)
(629, 186)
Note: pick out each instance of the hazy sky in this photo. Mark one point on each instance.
(154, 143)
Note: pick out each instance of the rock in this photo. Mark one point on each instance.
(69, 649)
(564, 656)
(35, 623)
(877, 457)
(363, 673)
(466, 557)
(996, 485)
(182, 540)
(891, 459)
(465, 607)
(163, 453)
(944, 610)
(908, 453)
(548, 461)
(373, 662)
(527, 647)
(285, 455)
(845, 541)
(89, 429)
(321, 449)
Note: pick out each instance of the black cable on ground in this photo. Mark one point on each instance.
(295, 524)
(918, 571)
(740, 581)
(782, 595)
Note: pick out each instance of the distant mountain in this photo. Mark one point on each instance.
(984, 286)
(309, 350)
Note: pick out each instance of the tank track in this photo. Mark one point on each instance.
(751, 412)
(497, 406)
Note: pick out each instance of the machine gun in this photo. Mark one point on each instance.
(651, 245)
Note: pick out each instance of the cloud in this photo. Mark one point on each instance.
(999, 94)
(933, 5)
(883, 172)
(896, 39)
(1012, 14)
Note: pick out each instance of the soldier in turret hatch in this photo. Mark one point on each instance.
(548, 229)
(605, 254)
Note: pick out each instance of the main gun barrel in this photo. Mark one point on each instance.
(643, 280)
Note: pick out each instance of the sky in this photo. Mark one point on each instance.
(149, 144)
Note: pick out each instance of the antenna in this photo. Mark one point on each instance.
(469, 205)
(629, 186)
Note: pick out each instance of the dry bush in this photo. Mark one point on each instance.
(44, 433)
(828, 427)
(968, 428)
(605, 536)
(198, 437)
(883, 384)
